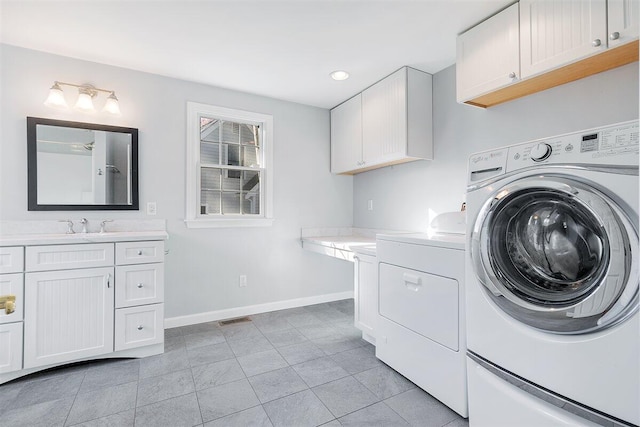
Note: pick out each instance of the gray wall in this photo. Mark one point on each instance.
(203, 266)
(406, 196)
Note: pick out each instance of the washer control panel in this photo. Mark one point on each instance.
(615, 144)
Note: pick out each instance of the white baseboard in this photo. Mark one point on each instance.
(211, 316)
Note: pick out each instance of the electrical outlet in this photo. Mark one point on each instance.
(151, 208)
(369, 205)
(242, 282)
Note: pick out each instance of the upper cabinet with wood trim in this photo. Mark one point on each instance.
(396, 124)
(560, 41)
(488, 55)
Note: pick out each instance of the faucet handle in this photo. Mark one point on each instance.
(103, 223)
(69, 225)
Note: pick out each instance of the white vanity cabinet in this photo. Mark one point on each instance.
(396, 124)
(82, 300)
(366, 295)
(488, 55)
(11, 323)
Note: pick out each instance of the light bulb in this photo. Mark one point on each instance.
(339, 75)
(84, 102)
(111, 106)
(56, 97)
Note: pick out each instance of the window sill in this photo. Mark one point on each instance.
(228, 222)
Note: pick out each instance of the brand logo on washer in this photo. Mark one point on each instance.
(477, 159)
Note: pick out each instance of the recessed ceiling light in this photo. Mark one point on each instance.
(339, 75)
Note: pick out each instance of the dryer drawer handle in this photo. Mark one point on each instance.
(411, 281)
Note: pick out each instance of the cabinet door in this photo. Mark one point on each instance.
(10, 347)
(554, 33)
(384, 120)
(366, 293)
(488, 55)
(346, 135)
(68, 315)
(623, 20)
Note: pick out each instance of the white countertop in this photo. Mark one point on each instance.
(61, 239)
(341, 242)
(48, 232)
(442, 240)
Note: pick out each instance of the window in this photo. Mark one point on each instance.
(229, 167)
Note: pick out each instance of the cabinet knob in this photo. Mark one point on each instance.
(596, 43)
(140, 285)
(139, 251)
(512, 75)
(614, 36)
(140, 327)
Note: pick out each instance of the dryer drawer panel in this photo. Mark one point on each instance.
(424, 303)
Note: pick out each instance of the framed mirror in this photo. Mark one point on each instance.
(81, 166)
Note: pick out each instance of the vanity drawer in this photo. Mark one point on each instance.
(139, 252)
(139, 284)
(10, 347)
(139, 326)
(12, 259)
(12, 284)
(65, 257)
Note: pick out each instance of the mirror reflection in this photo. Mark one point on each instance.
(76, 166)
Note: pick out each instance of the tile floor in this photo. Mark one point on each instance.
(299, 367)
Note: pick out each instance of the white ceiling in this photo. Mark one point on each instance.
(281, 49)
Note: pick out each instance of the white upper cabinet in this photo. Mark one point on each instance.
(395, 124)
(554, 33)
(346, 135)
(488, 55)
(623, 21)
(384, 119)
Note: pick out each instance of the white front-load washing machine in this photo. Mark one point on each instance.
(553, 331)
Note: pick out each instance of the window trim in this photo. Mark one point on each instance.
(192, 217)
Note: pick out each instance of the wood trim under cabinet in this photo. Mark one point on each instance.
(612, 58)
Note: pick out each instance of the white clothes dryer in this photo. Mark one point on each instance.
(553, 331)
(420, 324)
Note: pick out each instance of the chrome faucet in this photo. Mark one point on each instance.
(84, 223)
(103, 224)
(69, 225)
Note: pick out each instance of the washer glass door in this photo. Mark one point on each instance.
(556, 254)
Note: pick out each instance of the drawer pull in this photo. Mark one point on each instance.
(140, 285)
(139, 251)
(8, 303)
(140, 327)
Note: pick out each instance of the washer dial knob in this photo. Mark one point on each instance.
(540, 152)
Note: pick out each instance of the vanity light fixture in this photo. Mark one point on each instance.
(339, 75)
(86, 93)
